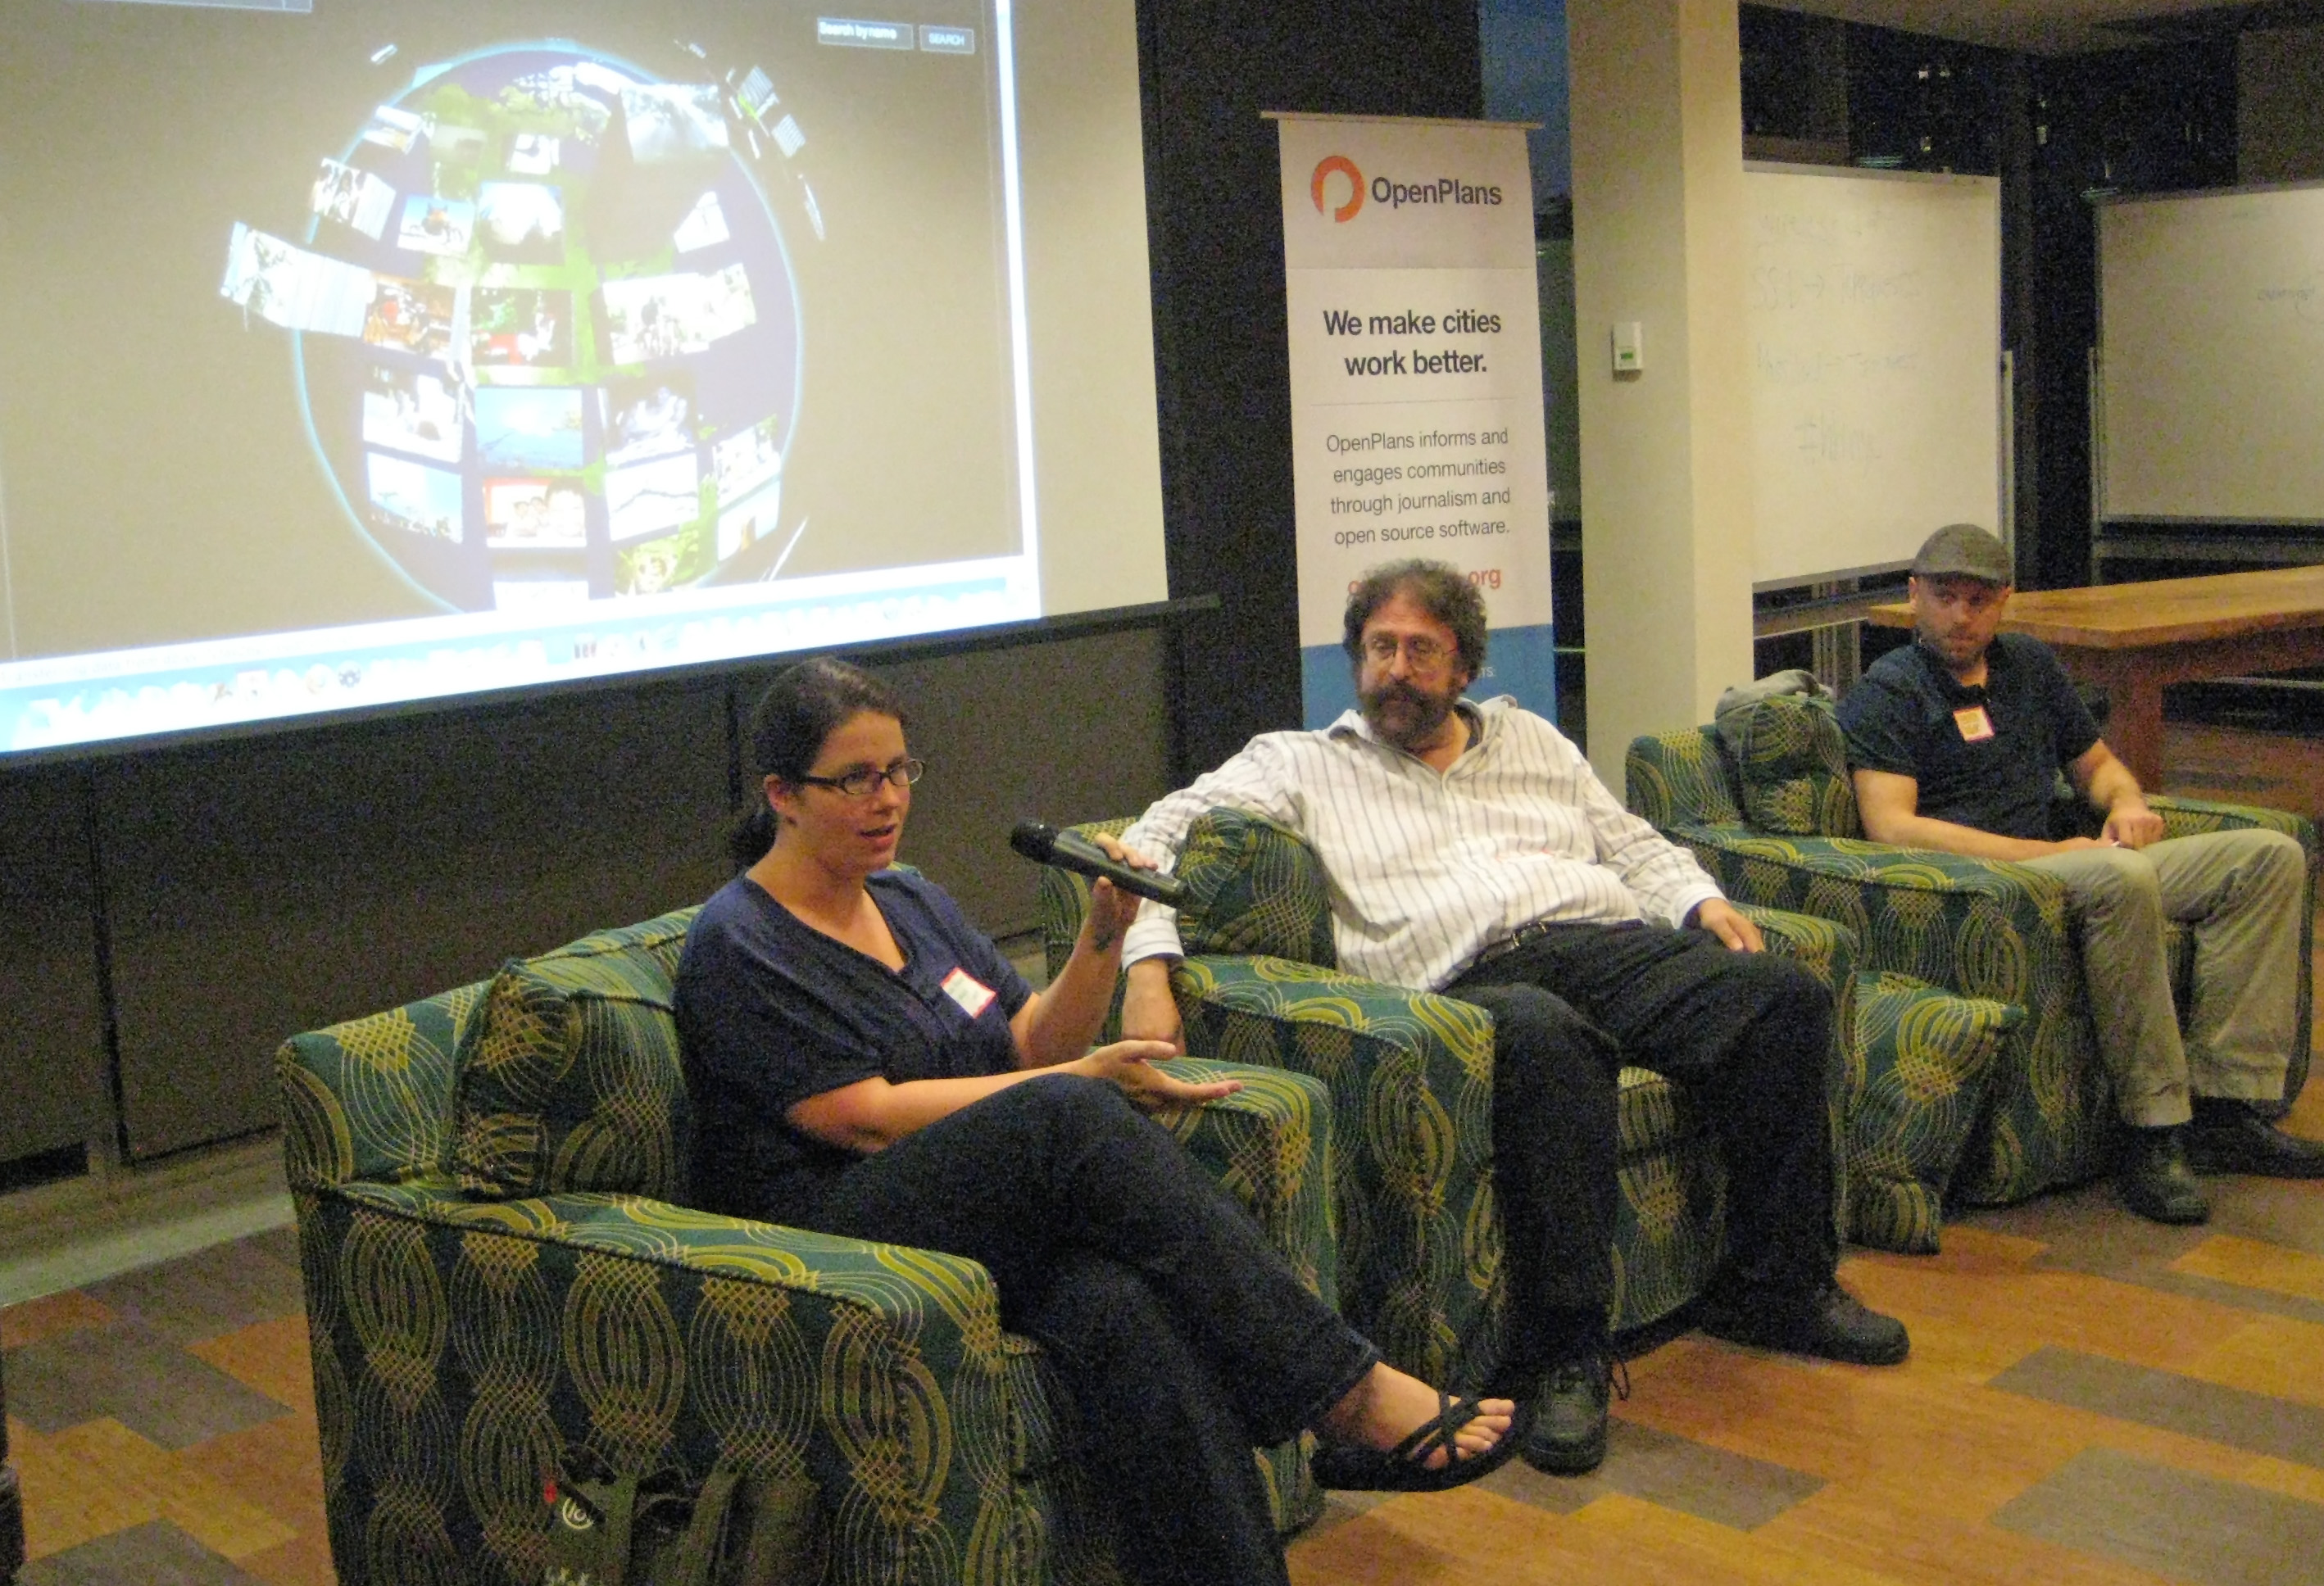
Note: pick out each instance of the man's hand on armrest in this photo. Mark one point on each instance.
(1148, 1010)
(1728, 923)
(2113, 792)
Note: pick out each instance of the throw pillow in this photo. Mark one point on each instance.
(568, 1073)
(1253, 887)
(1793, 767)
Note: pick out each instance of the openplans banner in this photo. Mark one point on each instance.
(1415, 381)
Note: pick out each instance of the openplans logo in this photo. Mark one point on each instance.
(1330, 166)
(1387, 190)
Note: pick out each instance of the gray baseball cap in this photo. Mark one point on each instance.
(1964, 550)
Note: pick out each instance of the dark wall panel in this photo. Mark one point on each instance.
(1215, 232)
(1063, 733)
(262, 888)
(51, 1015)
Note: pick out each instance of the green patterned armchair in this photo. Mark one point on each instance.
(1410, 1076)
(1764, 801)
(499, 1269)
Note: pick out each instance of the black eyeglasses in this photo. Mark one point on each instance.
(862, 784)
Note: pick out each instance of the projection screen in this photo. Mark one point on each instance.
(356, 352)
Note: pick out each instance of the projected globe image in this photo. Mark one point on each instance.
(547, 333)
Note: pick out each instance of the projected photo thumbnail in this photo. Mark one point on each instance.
(523, 221)
(531, 153)
(293, 288)
(704, 227)
(658, 565)
(673, 120)
(354, 199)
(535, 514)
(414, 498)
(437, 225)
(455, 146)
(649, 416)
(412, 412)
(408, 315)
(529, 426)
(743, 525)
(653, 496)
(670, 316)
(743, 462)
(393, 128)
(520, 328)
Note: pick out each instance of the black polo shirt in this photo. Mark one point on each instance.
(771, 1011)
(1901, 718)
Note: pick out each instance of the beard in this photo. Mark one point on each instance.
(1405, 714)
(1957, 651)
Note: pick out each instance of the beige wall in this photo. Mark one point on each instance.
(1666, 453)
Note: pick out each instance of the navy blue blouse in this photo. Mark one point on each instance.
(771, 1011)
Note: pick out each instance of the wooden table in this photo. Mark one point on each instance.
(2132, 638)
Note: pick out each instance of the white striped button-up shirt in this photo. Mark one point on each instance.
(1427, 868)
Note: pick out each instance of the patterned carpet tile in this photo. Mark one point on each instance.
(36, 1319)
(2175, 1523)
(268, 1356)
(128, 1371)
(2257, 1423)
(209, 1292)
(99, 1478)
(1693, 1478)
(156, 1553)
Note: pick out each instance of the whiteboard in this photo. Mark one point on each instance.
(2211, 356)
(1874, 312)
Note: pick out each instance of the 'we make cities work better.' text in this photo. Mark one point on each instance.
(1458, 321)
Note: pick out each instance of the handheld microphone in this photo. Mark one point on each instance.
(1071, 851)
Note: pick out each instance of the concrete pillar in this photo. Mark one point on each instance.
(1666, 475)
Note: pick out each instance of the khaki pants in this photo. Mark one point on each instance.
(2240, 894)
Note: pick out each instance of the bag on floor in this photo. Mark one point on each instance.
(733, 1530)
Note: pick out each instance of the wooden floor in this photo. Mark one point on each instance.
(2091, 1400)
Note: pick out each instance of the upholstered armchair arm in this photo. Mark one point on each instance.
(2185, 817)
(1981, 927)
(1410, 1075)
(1269, 1146)
(1827, 950)
(487, 1338)
(1825, 947)
(1976, 928)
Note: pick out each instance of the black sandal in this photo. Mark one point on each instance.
(1403, 1468)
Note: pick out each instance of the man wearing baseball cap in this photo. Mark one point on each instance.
(1956, 742)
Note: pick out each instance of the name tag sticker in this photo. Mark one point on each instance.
(1974, 725)
(973, 994)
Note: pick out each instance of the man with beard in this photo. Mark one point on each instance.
(1470, 850)
(1956, 742)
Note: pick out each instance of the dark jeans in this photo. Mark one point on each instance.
(1182, 1338)
(1742, 1035)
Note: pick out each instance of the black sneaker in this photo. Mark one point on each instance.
(2155, 1180)
(1568, 1434)
(1830, 1324)
(2229, 1137)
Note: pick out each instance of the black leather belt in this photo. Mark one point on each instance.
(1531, 931)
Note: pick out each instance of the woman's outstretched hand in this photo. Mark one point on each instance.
(1135, 1067)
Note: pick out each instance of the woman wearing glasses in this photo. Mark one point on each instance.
(863, 1061)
